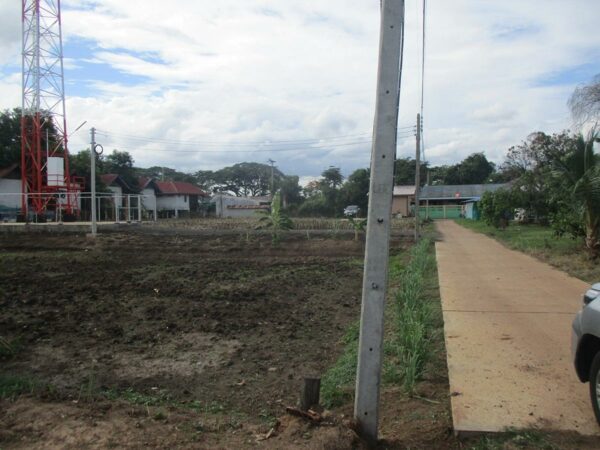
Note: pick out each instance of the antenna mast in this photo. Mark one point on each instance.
(45, 177)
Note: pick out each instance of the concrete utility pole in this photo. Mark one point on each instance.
(418, 178)
(368, 379)
(427, 200)
(93, 179)
(93, 152)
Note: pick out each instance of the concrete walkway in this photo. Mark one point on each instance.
(507, 328)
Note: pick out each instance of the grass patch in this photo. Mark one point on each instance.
(513, 439)
(338, 382)
(410, 344)
(413, 340)
(162, 399)
(564, 253)
(9, 347)
(12, 386)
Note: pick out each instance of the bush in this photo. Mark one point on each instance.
(497, 208)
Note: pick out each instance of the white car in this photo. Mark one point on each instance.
(351, 211)
(586, 345)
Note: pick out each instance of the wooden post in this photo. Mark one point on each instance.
(368, 378)
(310, 393)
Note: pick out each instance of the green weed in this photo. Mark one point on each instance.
(13, 386)
(513, 439)
(338, 381)
(9, 347)
(411, 342)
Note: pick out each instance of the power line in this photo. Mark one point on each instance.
(257, 150)
(307, 141)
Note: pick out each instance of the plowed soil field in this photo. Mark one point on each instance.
(226, 326)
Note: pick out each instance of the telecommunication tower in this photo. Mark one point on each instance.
(45, 175)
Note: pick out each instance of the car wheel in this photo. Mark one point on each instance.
(595, 385)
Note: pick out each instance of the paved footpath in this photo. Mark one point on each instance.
(507, 325)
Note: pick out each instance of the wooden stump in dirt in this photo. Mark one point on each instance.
(310, 393)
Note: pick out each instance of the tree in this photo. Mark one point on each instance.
(121, 163)
(332, 177)
(355, 191)
(579, 173)
(166, 173)
(530, 165)
(585, 102)
(80, 165)
(475, 169)
(497, 207)
(290, 190)
(243, 179)
(10, 137)
(405, 169)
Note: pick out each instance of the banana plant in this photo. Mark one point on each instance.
(358, 225)
(275, 220)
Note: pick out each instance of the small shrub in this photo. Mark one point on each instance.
(497, 208)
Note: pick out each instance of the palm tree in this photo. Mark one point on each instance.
(580, 174)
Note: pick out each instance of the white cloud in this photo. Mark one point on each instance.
(245, 71)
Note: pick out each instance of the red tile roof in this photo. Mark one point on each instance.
(108, 178)
(179, 188)
(143, 182)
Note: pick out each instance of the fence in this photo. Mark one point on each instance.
(110, 207)
(441, 212)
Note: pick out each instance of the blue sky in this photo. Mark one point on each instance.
(195, 82)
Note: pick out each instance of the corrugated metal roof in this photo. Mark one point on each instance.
(464, 191)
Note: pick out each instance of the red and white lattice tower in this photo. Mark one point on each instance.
(44, 154)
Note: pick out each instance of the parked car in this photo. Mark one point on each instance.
(351, 211)
(586, 345)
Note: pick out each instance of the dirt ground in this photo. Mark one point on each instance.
(167, 341)
(224, 325)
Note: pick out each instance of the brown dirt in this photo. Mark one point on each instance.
(166, 341)
(226, 326)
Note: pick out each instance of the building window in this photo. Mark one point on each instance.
(185, 198)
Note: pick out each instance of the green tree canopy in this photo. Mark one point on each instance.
(10, 137)
(405, 169)
(332, 177)
(243, 179)
(121, 163)
(355, 191)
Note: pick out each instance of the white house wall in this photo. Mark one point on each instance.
(173, 202)
(149, 199)
(223, 201)
(118, 195)
(241, 212)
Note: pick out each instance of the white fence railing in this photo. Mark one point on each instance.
(111, 207)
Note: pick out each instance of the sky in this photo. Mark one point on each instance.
(205, 84)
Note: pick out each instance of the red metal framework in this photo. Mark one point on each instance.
(44, 154)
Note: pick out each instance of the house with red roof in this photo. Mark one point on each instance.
(176, 197)
(157, 198)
